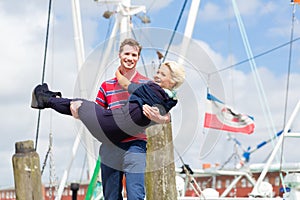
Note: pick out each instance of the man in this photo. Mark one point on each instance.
(129, 157)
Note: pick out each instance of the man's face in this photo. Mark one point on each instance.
(129, 57)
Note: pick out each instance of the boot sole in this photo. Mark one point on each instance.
(34, 103)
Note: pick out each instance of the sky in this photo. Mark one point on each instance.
(217, 59)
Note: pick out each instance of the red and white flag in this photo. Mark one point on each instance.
(219, 116)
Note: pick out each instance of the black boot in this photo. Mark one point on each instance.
(45, 88)
(41, 95)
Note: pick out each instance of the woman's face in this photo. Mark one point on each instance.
(163, 77)
(129, 57)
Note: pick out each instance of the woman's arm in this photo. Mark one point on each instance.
(153, 114)
(123, 81)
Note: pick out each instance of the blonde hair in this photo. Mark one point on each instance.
(177, 72)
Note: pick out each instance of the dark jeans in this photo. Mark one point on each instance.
(129, 159)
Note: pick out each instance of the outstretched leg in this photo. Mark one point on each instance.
(90, 113)
(42, 98)
(41, 95)
(99, 121)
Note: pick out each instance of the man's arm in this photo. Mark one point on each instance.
(122, 80)
(153, 114)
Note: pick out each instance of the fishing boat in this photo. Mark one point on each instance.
(242, 180)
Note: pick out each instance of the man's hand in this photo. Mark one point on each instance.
(123, 81)
(153, 114)
(74, 106)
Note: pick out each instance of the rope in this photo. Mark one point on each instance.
(52, 173)
(256, 56)
(43, 72)
(175, 29)
(49, 151)
(45, 161)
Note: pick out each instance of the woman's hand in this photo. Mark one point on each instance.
(153, 114)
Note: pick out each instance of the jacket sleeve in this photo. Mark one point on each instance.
(132, 87)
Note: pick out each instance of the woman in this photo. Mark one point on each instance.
(114, 125)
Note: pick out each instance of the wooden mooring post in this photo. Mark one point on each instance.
(27, 173)
(160, 169)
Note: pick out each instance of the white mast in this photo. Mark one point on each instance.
(189, 28)
(122, 25)
(256, 189)
(79, 46)
(80, 56)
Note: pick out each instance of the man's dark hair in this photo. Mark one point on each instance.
(130, 42)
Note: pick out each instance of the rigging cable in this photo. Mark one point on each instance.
(287, 88)
(257, 80)
(256, 56)
(175, 29)
(289, 64)
(142, 57)
(43, 72)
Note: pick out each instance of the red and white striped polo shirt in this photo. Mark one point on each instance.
(111, 95)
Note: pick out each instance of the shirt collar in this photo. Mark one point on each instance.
(171, 93)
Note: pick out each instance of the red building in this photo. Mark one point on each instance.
(9, 193)
(242, 188)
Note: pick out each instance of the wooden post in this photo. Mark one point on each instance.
(160, 169)
(27, 174)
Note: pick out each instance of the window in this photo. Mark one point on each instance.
(227, 182)
(219, 184)
(204, 184)
(277, 181)
(243, 183)
(266, 179)
(249, 184)
(81, 191)
(199, 183)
